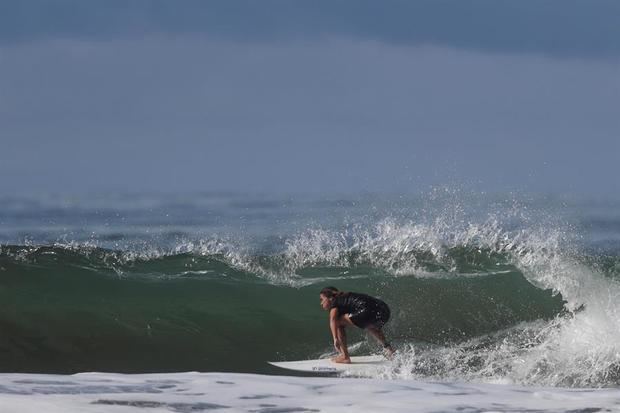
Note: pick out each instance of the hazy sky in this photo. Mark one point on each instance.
(309, 96)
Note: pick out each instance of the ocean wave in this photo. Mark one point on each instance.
(497, 302)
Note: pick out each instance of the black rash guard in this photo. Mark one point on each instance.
(363, 310)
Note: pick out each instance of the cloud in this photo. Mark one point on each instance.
(561, 28)
(193, 113)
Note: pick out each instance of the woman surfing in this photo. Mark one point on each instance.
(354, 309)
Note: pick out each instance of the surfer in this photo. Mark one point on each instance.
(353, 309)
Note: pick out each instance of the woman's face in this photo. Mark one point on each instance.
(325, 302)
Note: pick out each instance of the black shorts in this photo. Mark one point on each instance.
(376, 316)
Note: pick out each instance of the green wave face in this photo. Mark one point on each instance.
(69, 309)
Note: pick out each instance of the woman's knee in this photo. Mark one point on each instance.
(344, 320)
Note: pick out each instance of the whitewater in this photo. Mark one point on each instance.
(200, 392)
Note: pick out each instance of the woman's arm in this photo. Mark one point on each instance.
(333, 326)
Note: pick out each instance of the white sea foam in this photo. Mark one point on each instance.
(196, 392)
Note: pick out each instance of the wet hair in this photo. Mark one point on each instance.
(330, 292)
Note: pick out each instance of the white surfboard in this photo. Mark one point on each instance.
(359, 365)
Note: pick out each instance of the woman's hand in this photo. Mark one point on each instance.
(337, 345)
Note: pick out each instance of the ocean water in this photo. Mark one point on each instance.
(253, 393)
(514, 292)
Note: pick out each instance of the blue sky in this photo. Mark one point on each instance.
(284, 96)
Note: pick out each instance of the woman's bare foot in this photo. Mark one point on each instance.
(341, 359)
(389, 352)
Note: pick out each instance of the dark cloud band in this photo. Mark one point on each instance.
(569, 28)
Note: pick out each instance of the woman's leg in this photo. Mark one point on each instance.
(377, 333)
